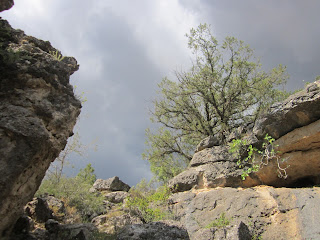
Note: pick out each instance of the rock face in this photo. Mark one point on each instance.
(38, 111)
(267, 212)
(155, 230)
(211, 187)
(298, 110)
(6, 4)
(295, 123)
(111, 184)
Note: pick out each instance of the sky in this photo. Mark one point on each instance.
(126, 47)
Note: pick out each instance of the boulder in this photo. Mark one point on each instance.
(22, 227)
(212, 155)
(113, 221)
(38, 110)
(211, 167)
(38, 210)
(298, 110)
(81, 231)
(111, 184)
(208, 142)
(6, 4)
(265, 212)
(166, 230)
(56, 205)
(116, 197)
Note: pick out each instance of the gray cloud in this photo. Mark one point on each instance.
(125, 48)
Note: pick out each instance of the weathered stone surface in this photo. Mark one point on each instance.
(111, 184)
(272, 213)
(83, 231)
(6, 4)
(208, 142)
(38, 210)
(114, 221)
(296, 125)
(156, 230)
(22, 227)
(236, 134)
(57, 205)
(116, 197)
(212, 155)
(301, 139)
(38, 111)
(220, 174)
(184, 181)
(234, 232)
(211, 167)
(299, 156)
(300, 109)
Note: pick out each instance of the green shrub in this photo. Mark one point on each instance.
(74, 191)
(57, 55)
(149, 204)
(221, 222)
(255, 158)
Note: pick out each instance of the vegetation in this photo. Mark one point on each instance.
(57, 55)
(74, 191)
(255, 158)
(221, 222)
(147, 203)
(224, 88)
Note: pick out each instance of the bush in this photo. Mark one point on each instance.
(75, 191)
(255, 158)
(221, 222)
(147, 203)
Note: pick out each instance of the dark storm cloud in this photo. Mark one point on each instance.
(285, 32)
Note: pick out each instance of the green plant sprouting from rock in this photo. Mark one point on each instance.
(256, 158)
(57, 55)
(221, 222)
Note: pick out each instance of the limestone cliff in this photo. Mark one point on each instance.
(38, 110)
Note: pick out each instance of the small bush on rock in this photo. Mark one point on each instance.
(256, 158)
(221, 222)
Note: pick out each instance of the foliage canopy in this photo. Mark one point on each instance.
(226, 87)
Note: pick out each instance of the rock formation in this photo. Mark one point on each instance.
(273, 213)
(166, 230)
(5, 4)
(212, 186)
(295, 123)
(112, 184)
(47, 217)
(38, 110)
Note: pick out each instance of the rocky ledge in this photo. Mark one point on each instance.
(294, 123)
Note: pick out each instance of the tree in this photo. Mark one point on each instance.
(75, 191)
(57, 166)
(225, 88)
(87, 174)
